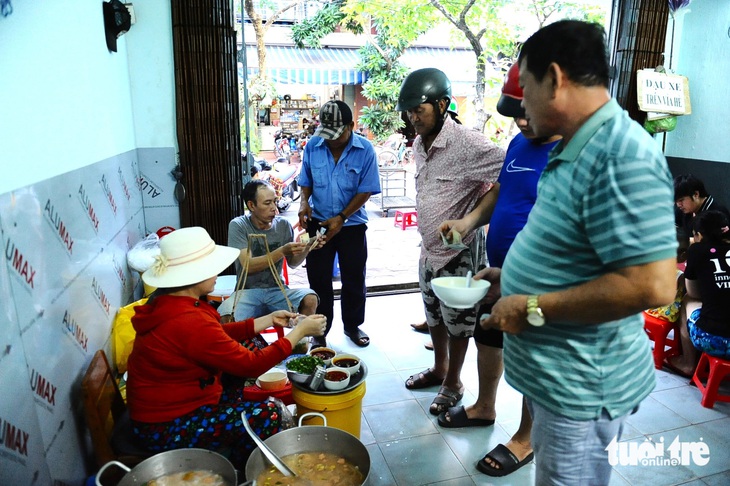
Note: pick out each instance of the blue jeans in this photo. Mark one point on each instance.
(260, 302)
(572, 452)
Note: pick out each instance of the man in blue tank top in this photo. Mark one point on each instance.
(525, 160)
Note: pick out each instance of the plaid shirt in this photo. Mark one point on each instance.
(459, 168)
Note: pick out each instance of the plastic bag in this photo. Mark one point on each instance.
(142, 255)
(661, 125)
(123, 334)
(285, 416)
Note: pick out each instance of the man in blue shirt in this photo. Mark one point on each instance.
(339, 174)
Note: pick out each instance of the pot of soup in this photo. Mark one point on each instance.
(180, 467)
(317, 454)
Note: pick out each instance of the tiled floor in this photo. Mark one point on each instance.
(408, 448)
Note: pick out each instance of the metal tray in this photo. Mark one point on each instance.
(355, 380)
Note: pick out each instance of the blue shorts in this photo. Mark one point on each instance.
(712, 344)
(260, 302)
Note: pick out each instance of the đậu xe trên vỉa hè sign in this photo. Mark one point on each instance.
(662, 92)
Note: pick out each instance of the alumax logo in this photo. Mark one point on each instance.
(61, 229)
(86, 203)
(119, 271)
(43, 387)
(100, 295)
(109, 196)
(20, 263)
(13, 438)
(75, 330)
(125, 188)
(148, 187)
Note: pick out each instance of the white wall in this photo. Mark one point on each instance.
(64, 95)
(702, 41)
(87, 141)
(151, 73)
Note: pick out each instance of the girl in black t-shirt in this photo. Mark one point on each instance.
(707, 278)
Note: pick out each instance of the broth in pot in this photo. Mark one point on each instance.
(314, 469)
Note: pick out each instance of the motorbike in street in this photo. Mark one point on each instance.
(290, 146)
(283, 176)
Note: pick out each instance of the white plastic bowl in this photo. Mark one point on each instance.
(340, 357)
(334, 385)
(272, 380)
(453, 292)
(328, 351)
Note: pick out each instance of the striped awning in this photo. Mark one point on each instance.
(291, 65)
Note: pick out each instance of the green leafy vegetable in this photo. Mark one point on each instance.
(304, 364)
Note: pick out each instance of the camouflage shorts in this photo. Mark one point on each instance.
(459, 322)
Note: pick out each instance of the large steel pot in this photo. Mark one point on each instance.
(311, 439)
(170, 462)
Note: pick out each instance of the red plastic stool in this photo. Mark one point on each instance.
(285, 271)
(658, 330)
(405, 219)
(714, 370)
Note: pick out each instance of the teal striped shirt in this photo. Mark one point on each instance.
(605, 202)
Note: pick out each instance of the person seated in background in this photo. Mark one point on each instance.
(262, 292)
(174, 392)
(707, 279)
(691, 198)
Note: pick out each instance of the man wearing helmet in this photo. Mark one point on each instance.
(525, 160)
(455, 169)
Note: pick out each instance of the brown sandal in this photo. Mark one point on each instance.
(424, 379)
(445, 399)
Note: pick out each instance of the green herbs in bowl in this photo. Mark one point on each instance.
(300, 368)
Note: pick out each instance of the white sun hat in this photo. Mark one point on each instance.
(188, 256)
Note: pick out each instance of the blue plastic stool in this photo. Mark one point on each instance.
(336, 267)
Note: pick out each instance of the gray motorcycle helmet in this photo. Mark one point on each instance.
(427, 85)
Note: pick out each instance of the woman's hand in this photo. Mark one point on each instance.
(314, 325)
(281, 318)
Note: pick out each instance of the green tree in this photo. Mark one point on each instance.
(492, 34)
(259, 85)
(378, 57)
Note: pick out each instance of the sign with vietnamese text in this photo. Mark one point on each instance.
(662, 92)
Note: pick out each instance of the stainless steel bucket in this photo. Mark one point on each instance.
(170, 462)
(312, 439)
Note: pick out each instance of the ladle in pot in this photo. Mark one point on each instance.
(270, 455)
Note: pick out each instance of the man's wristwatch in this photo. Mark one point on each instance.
(534, 314)
(342, 215)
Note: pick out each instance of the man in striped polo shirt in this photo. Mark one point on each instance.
(599, 247)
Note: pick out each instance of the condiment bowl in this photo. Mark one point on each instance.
(336, 378)
(453, 292)
(272, 380)
(349, 361)
(325, 353)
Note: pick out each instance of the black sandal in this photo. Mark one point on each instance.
(358, 337)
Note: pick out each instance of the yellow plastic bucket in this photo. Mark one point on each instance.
(343, 410)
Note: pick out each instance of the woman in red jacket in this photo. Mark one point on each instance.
(174, 391)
